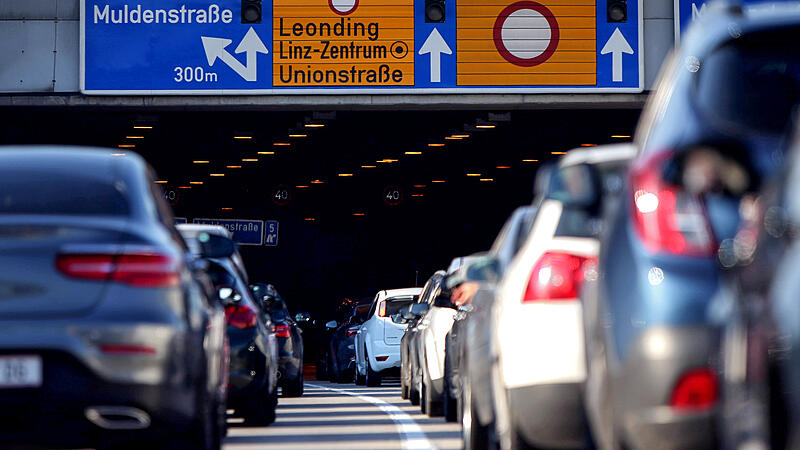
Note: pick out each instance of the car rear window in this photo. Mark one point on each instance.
(395, 304)
(753, 81)
(586, 222)
(31, 192)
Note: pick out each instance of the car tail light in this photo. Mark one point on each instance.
(382, 309)
(282, 330)
(381, 358)
(352, 332)
(135, 269)
(241, 317)
(696, 389)
(556, 276)
(127, 349)
(666, 217)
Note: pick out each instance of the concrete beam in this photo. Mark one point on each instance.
(328, 102)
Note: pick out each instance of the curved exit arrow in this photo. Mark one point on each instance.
(251, 45)
(435, 45)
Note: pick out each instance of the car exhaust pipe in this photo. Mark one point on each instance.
(118, 417)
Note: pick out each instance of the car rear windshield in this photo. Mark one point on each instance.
(753, 81)
(29, 192)
(395, 304)
(586, 222)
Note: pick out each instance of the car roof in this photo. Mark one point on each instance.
(191, 230)
(598, 154)
(403, 291)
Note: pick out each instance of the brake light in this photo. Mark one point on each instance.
(135, 269)
(667, 218)
(382, 309)
(352, 332)
(697, 389)
(381, 358)
(556, 276)
(241, 317)
(282, 331)
(127, 349)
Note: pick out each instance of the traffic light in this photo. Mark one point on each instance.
(251, 11)
(617, 11)
(434, 11)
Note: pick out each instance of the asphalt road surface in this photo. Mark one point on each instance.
(345, 416)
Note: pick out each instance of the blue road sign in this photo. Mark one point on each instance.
(271, 233)
(202, 47)
(245, 232)
(687, 11)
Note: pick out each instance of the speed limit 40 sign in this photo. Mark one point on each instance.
(393, 195)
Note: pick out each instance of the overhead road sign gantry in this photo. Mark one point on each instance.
(209, 47)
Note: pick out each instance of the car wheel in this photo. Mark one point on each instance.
(475, 436)
(423, 394)
(205, 433)
(449, 402)
(433, 408)
(403, 386)
(294, 388)
(261, 411)
(373, 378)
(413, 390)
(359, 379)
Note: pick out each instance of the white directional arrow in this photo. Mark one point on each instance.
(616, 45)
(251, 45)
(435, 45)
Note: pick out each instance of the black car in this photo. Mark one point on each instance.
(341, 352)
(289, 336)
(253, 390)
(108, 331)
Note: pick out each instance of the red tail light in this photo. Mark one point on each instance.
(556, 276)
(352, 332)
(282, 331)
(241, 317)
(696, 389)
(382, 309)
(667, 218)
(141, 270)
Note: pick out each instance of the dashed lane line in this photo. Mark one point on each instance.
(413, 436)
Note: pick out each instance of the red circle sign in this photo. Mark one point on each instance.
(343, 7)
(521, 32)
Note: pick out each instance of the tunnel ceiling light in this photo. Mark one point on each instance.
(452, 138)
(460, 136)
(234, 167)
(126, 146)
(558, 153)
(226, 209)
(160, 182)
(310, 219)
(503, 167)
(266, 153)
(243, 137)
(437, 181)
(317, 182)
(142, 127)
(134, 137)
(620, 136)
(530, 160)
(314, 125)
(436, 145)
(419, 186)
(195, 182)
(216, 174)
(418, 195)
(588, 145)
(473, 174)
(201, 161)
(281, 144)
(184, 187)
(249, 159)
(302, 186)
(368, 167)
(298, 135)
(486, 126)
(345, 174)
(413, 153)
(487, 179)
(359, 214)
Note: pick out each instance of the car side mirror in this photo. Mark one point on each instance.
(332, 324)
(215, 246)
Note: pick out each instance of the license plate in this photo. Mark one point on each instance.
(20, 371)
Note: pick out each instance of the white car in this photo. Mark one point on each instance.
(378, 340)
(433, 328)
(536, 325)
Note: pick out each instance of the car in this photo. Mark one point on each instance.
(109, 332)
(714, 127)
(536, 325)
(378, 339)
(467, 386)
(323, 334)
(432, 331)
(253, 384)
(342, 347)
(411, 316)
(289, 337)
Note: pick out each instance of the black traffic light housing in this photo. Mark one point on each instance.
(434, 11)
(251, 11)
(617, 11)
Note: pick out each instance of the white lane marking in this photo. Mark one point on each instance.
(413, 436)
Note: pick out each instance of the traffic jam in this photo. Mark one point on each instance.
(635, 293)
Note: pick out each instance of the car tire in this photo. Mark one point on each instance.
(474, 435)
(261, 411)
(413, 391)
(403, 387)
(449, 402)
(433, 408)
(205, 433)
(423, 393)
(358, 379)
(294, 388)
(373, 378)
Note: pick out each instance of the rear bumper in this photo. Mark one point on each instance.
(548, 415)
(663, 428)
(380, 349)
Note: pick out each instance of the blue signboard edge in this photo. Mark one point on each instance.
(376, 90)
(240, 220)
